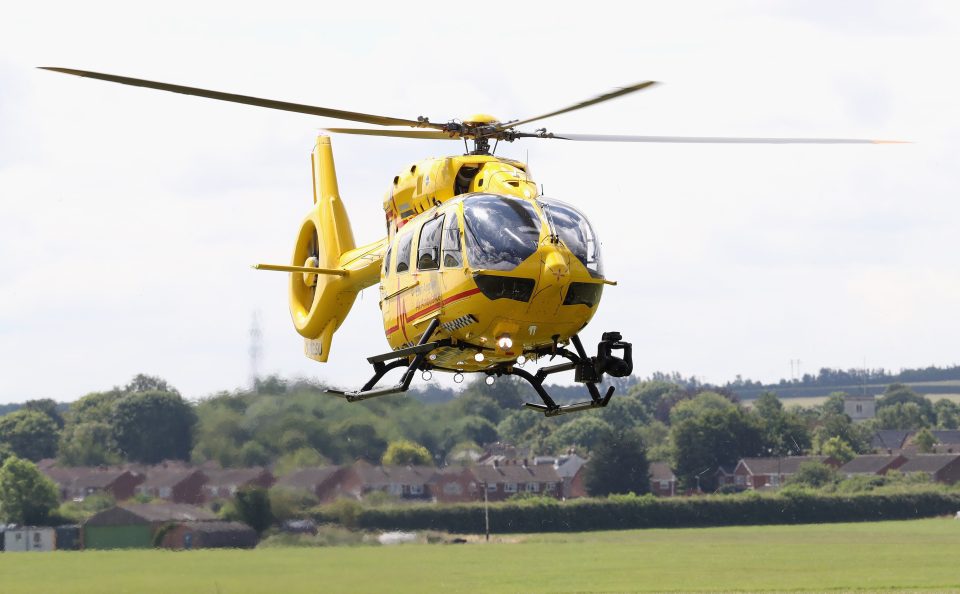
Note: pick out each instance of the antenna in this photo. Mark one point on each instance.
(256, 349)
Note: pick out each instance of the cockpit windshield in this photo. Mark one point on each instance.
(575, 232)
(500, 232)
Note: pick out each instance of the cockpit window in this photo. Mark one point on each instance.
(575, 232)
(500, 232)
(403, 252)
(428, 248)
(451, 241)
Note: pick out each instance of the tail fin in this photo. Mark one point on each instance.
(320, 302)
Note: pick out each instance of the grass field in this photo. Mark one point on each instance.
(808, 401)
(894, 556)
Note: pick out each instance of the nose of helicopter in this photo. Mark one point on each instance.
(555, 265)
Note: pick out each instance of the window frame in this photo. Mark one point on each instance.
(445, 239)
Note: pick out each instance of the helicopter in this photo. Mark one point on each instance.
(478, 271)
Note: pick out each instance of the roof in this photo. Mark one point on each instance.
(217, 526)
(381, 476)
(84, 476)
(307, 478)
(516, 473)
(890, 439)
(233, 476)
(660, 471)
(930, 463)
(871, 464)
(159, 476)
(947, 436)
(146, 513)
(224, 534)
(778, 465)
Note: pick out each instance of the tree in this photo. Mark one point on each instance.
(30, 434)
(902, 415)
(359, 439)
(584, 431)
(618, 464)
(784, 432)
(712, 439)
(252, 506)
(925, 441)
(838, 449)
(948, 413)
(702, 402)
(814, 474)
(153, 426)
(903, 395)
(26, 496)
(405, 452)
(149, 383)
(48, 407)
(479, 405)
(88, 444)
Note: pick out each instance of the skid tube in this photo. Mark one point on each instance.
(587, 370)
(381, 367)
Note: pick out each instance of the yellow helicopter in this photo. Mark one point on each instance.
(478, 271)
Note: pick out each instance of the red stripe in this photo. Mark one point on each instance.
(446, 301)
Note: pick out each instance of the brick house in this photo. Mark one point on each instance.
(405, 482)
(325, 482)
(505, 480)
(177, 484)
(663, 483)
(874, 464)
(453, 485)
(80, 482)
(773, 472)
(942, 468)
(226, 482)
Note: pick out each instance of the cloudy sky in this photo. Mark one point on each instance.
(129, 217)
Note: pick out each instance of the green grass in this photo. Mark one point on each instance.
(896, 556)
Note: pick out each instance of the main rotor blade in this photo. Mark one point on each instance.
(422, 134)
(269, 103)
(605, 97)
(708, 139)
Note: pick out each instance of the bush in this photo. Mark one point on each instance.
(795, 505)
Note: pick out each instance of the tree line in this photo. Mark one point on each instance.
(295, 424)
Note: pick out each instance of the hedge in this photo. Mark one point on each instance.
(625, 512)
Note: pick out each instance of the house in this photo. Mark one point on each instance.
(404, 482)
(132, 525)
(453, 485)
(226, 482)
(80, 482)
(28, 538)
(726, 478)
(208, 535)
(942, 468)
(323, 482)
(860, 408)
(567, 466)
(874, 464)
(174, 483)
(502, 481)
(760, 473)
(663, 483)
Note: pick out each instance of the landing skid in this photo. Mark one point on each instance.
(587, 370)
(381, 367)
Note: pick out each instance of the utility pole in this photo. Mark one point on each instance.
(486, 512)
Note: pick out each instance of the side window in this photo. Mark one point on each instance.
(386, 261)
(403, 252)
(451, 242)
(428, 248)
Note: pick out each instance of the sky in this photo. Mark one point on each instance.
(129, 218)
